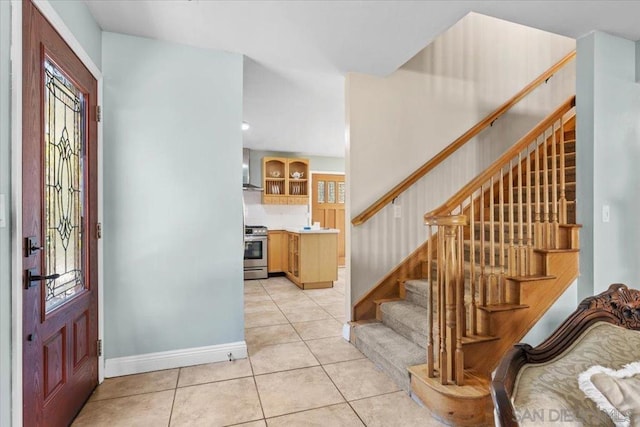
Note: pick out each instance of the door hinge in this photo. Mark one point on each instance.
(99, 230)
(99, 346)
(98, 113)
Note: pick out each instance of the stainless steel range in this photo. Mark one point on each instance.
(255, 252)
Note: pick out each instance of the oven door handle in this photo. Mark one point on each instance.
(254, 239)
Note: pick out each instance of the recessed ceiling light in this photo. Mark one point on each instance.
(245, 126)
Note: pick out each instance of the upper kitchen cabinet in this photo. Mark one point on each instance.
(298, 181)
(274, 172)
(285, 181)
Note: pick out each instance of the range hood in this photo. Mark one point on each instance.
(246, 175)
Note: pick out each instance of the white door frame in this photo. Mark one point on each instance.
(16, 189)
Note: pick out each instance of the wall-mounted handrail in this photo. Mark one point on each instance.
(458, 143)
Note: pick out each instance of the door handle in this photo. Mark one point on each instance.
(31, 279)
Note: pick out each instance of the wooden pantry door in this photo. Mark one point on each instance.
(327, 206)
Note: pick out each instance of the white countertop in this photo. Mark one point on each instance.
(317, 231)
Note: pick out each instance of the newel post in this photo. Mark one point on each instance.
(450, 282)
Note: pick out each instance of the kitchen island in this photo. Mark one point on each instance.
(313, 257)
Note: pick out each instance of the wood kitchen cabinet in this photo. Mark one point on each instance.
(313, 259)
(285, 181)
(277, 251)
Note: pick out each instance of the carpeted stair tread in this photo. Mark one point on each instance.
(407, 319)
(389, 350)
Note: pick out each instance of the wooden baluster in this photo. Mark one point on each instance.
(554, 190)
(563, 197)
(492, 244)
(460, 312)
(430, 361)
(461, 276)
(483, 230)
(539, 242)
(522, 268)
(442, 299)
(512, 248)
(450, 294)
(545, 190)
(501, 278)
(473, 327)
(531, 265)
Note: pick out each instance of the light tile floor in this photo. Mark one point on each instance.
(300, 372)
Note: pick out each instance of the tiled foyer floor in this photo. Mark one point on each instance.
(300, 372)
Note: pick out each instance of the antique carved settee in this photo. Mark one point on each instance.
(586, 373)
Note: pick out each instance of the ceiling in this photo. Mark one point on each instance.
(297, 52)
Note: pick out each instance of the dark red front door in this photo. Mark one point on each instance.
(59, 218)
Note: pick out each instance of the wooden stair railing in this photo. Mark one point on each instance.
(520, 201)
(458, 143)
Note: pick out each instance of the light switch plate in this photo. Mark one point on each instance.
(3, 212)
(397, 211)
(606, 213)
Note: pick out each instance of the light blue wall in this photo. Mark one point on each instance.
(561, 309)
(172, 196)
(5, 236)
(78, 18)
(316, 163)
(608, 154)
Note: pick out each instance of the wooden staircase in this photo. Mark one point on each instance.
(499, 254)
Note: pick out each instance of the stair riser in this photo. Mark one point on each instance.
(569, 175)
(569, 160)
(467, 273)
(570, 138)
(506, 236)
(400, 377)
(564, 239)
(417, 291)
(416, 337)
(392, 353)
(569, 195)
(525, 212)
(500, 265)
(417, 299)
(521, 254)
(487, 253)
(570, 145)
(569, 178)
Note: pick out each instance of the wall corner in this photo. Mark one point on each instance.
(585, 81)
(638, 61)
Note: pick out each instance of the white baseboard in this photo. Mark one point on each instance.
(129, 365)
(346, 331)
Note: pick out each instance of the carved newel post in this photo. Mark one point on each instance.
(450, 282)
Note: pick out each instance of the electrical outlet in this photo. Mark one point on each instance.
(606, 213)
